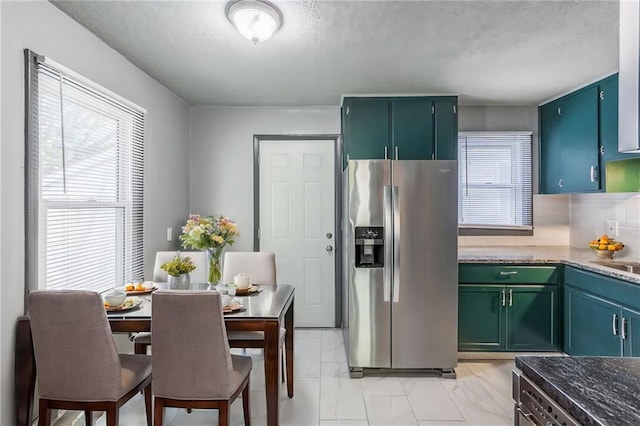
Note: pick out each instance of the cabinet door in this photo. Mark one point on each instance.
(551, 166)
(578, 134)
(412, 129)
(592, 325)
(481, 318)
(366, 128)
(631, 340)
(446, 129)
(532, 318)
(609, 122)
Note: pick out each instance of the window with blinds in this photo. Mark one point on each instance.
(495, 180)
(84, 180)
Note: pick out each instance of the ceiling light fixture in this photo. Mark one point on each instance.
(255, 20)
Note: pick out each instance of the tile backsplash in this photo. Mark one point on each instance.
(589, 214)
(574, 220)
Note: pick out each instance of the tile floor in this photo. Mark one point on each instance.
(325, 396)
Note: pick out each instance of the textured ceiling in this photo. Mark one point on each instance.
(488, 52)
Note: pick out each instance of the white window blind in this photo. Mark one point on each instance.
(495, 180)
(85, 183)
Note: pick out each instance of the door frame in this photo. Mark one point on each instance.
(337, 190)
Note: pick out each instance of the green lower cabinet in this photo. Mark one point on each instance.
(631, 334)
(480, 318)
(592, 325)
(532, 318)
(507, 318)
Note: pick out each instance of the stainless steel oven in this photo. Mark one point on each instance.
(534, 407)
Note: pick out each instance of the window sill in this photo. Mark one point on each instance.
(469, 232)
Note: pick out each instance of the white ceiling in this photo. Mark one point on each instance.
(488, 52)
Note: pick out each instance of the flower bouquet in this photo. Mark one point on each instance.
(211, 234)
(178, 269)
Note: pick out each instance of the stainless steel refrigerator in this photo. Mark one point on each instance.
(400, 265)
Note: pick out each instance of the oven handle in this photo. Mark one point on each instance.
(527, 416)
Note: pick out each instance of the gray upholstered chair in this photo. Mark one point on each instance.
(191, 371)
(262, 268)
(141, 341)
(77, 363)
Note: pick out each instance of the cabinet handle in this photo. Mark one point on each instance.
(614, 324)
(504, 297)
(601, 149)
(385, 153)
(397, 157)
(602, 95)
(593, 173)
(559, 111)
(507, 273)
(560, 183)
(624, 328)
(510, 297)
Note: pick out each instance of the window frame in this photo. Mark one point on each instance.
(130, 265)
(499, 230)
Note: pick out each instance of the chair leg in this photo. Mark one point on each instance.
(88, 418)
(147, 404)
(223, 414)
(112, 415)
(158, 411)
(282, 366)
(44, 414)
(140, 348)
(246, 407)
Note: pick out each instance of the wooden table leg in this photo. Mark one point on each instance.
(272, 354)
(288, 343)
(25, 372)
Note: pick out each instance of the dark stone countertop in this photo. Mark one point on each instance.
(594, 390)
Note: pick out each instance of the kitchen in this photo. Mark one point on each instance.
(220, 144)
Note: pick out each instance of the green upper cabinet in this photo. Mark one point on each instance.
(400, 128)
(569, 143)
(609, 119)
(578, 136)
(412, 130)
(446, 128)
(609, 122)
(366, 128)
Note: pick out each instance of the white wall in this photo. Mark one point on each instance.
(550, 212)
(43, 28)
(222, 155)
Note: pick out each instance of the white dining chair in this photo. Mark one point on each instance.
(199, 258)
(262, 268)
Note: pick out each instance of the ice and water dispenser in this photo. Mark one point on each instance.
(369, 241)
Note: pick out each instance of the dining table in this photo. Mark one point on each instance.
(266, 311)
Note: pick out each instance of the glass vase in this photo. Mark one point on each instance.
(215, 271)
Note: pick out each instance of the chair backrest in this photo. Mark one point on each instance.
(191, 357)
(198, 275)
(76, 356)
(261, 265)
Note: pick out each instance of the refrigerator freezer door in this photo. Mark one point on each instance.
(369, 315)
(424, 319)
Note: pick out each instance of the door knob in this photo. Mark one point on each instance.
(329, 249)
(329, 235)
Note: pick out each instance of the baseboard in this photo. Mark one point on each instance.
(465, 356)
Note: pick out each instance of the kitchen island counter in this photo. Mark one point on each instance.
(593, 390)
(577, 257)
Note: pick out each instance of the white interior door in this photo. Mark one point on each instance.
(297, 222)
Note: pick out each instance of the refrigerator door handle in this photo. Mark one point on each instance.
(396, 246)
(388, 237)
